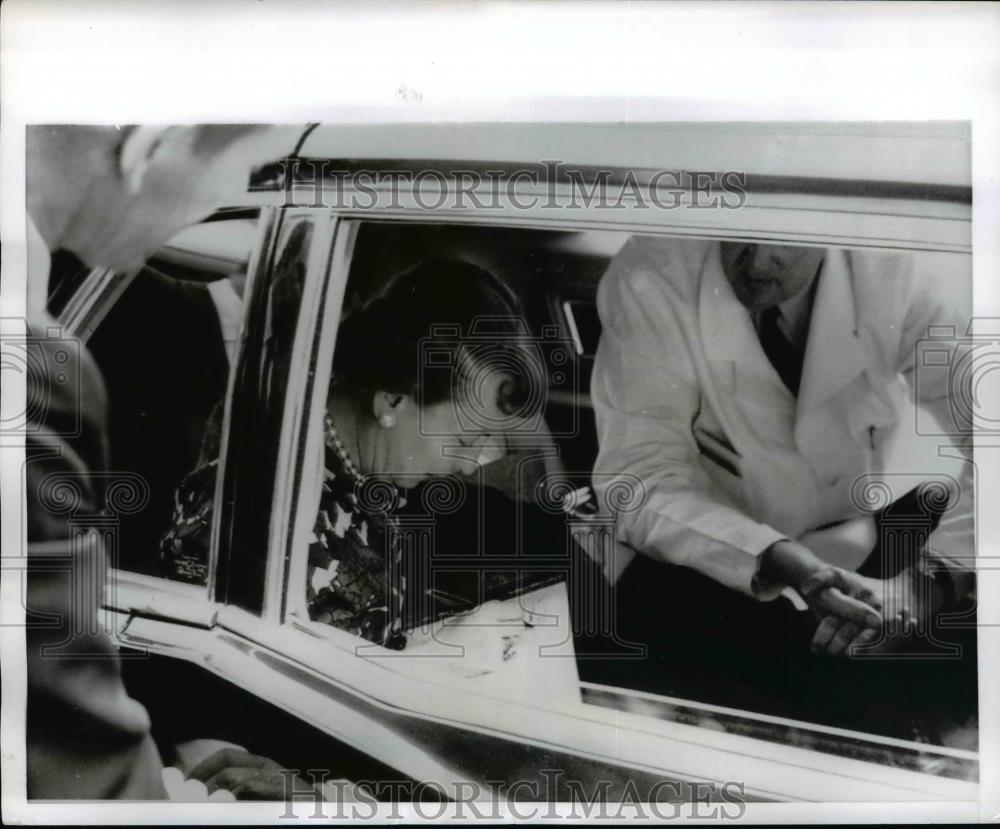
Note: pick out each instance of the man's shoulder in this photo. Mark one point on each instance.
(894, 283)
(653, 265)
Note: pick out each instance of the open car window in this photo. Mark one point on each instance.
(501, 585)
(165, 339)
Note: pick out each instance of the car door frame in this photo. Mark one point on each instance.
(258, 652)
(289, 651)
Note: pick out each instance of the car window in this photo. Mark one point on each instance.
(253, 437)
(165, 348)
(453, 507)
(473, 544)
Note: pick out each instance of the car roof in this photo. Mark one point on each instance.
(930, 153)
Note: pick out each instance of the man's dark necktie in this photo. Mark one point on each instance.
(786, 359)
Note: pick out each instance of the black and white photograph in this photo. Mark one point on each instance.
(434, 452)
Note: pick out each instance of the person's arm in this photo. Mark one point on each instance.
(937, 301)
(931, 298)
(646, 396)
(85, 737)
(848, 604)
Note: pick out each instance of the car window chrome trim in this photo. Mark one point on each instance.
(88, 307)
(812, 150)
(960, 764)
(290, 450)
(143, 595)
(259, 258)
(613, 177)
(308, 438)
(791, 217)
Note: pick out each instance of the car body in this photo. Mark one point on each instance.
(234, 658)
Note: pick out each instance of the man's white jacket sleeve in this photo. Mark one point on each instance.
(646, 395)
(940, 303)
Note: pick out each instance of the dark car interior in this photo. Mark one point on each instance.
(161, 390)
(162, 352)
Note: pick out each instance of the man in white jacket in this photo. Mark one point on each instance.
(761, 393)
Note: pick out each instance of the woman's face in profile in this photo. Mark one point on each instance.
(452, 437)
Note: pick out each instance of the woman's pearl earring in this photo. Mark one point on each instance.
(387, 421)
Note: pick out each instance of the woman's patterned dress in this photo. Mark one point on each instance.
(355, 579)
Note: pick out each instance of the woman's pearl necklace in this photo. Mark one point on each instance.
(359, 478)
(332, 437)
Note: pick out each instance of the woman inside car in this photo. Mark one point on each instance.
(394, 418)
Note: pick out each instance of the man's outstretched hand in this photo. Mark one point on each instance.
(910, 599)
(848, 604)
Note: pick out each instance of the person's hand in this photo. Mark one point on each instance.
(912, 597)
(827, 592)
(907, 601)
(846, 603)
(247, 776)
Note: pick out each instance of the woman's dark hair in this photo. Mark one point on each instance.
(433, 332)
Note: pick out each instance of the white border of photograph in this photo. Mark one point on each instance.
(271, 61)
